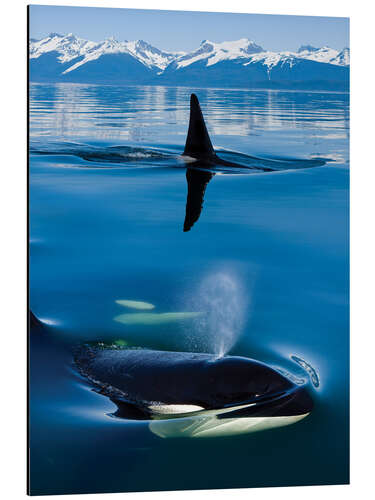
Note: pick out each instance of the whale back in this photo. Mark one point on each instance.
(147, 376)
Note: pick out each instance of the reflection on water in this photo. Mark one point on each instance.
(109, 196)
(197, 181)
(148, 112)
(198, 175)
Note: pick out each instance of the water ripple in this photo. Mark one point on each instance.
(107, 156)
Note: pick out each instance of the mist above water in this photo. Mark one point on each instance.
(221, 299)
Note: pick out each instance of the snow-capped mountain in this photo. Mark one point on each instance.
(212, 52)
(70, 47)
(234, 63)
(245, 52)
(243, 63)
(324, 55)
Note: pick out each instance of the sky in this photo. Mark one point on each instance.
(177, 30)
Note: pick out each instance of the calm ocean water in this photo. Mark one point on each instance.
(268, 259)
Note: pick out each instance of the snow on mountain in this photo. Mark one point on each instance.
(343, 57)
(70, 47)
(151, 56)
(271, 59)
(240, 62)
(324, 55)
(142, 51)
(216, 52)
(247, 52)
(245, 64)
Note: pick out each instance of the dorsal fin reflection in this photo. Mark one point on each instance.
(197, 181)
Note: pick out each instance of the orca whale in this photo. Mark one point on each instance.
(184, 394)
(203, 160)
(197, 388)
(198, 147)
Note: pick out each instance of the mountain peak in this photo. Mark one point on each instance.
(55, 35)
(69, 36)
(143, 44)
(308, 48)
(324, 54)
(246, 41)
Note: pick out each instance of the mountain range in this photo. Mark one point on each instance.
(237, 64)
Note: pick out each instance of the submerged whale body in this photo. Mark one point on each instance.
(200, 390)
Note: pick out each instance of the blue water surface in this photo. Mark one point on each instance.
(267, 260)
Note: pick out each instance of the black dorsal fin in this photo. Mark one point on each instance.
(198, 142)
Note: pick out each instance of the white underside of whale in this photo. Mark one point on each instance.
(208, 425)
(180, 410)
